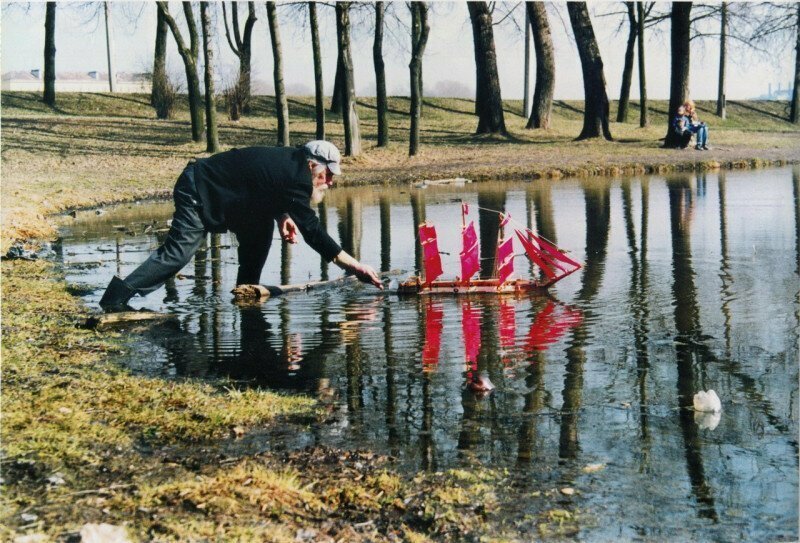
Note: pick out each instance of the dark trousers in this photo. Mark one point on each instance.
(185, 236)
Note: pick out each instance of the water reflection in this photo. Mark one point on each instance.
(690, 283)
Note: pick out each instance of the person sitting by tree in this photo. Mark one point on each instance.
(681, 124)
(697, 127)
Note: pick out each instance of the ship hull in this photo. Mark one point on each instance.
(478, 286)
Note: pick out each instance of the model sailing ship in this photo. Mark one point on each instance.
(554, 264)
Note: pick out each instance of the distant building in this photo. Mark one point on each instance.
(93, 81)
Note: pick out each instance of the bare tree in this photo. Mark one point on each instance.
(526, 92)
(49, 95)
(723, 31)
(241, 45)
(545, 66)
(419, 39)
(382, 102)
(112, 76)
(319, 90)
(595, 114)
(488, 101)
(777, 25)
(352, 136)
(281, 103)
(643, 120)
(627, 71)
(159, 59)
(679, 78)
(212, 139)
(189, 55)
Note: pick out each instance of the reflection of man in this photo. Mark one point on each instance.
(245, 191)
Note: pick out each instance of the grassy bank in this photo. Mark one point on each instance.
(83, 440)
(86, 441)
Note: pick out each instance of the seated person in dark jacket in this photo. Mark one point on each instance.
(245, 191)
(682, 126)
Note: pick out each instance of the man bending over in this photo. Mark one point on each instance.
(245, 191)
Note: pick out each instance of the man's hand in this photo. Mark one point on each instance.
(287, 228)
(366, 274)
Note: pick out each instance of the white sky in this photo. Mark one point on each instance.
(449, 55)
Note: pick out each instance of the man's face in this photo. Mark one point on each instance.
(321, 182)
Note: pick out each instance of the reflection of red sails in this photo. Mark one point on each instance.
(471, 327)
(548, 326)
(434, 314)
(552, 323)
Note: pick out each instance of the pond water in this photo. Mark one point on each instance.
(691, 282)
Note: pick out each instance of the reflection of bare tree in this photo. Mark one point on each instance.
(598, 223)
(545, 220)
(386, 233)
(724, 265)
(687, 325)
(534, 399)
(638, 299)
(489, 226)
(796, 193)
(391, 382)
(322, 211)
(286, 263)
(350, 227)
(418, 217)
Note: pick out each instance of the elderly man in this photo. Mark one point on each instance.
(245, 191)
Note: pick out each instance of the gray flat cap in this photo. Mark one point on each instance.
(325, 152)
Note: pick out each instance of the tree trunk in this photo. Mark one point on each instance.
(336, 97)
(595, 114)
(189, 56)
(488, 103)
(643, 120)
(545, 66)
(242, 47)
(527, 79)
(380, 76)
(49, 96)
(679, 78)
(159, 83)
(112, 76)
(419, 39)
(723, 35)
(352, 137)
(794, 114)
(212, 139)
(281, 103)
(319, 90)
(627, 71)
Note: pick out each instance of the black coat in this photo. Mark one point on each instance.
(245, 190)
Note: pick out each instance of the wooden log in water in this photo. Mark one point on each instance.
(262, 292)
(121, 318)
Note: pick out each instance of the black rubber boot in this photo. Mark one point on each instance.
(116, 296)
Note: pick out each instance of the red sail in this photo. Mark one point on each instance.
(552, 262)
(433, 335)
(505, 259)
(430, 252)
(470, 255)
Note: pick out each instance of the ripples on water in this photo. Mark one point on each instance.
(691, 283)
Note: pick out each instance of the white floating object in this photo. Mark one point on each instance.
(707, 402)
